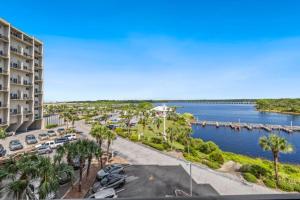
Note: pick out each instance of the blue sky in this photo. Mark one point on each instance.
(163, 49)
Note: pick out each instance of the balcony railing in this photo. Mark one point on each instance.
(3, 55)
(4, 38)
(3, 88)
(3, 123)
(3, 71)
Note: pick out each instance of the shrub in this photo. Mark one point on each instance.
(245, 168)
(216, 157)
(269, 183)
(256, 170)
(196, 143)
(297, 186)
(156, 140)
(208, 147)
(134, 137)
(210, 164)
(159, 147)
(119, 130)
(259, 171)
(49, 126)
(249, 177)
(191, 150)
(285, 186)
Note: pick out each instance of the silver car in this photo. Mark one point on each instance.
(110, 169)
(43, 149)
(15, 145)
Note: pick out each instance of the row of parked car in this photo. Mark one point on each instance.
(45, 147)
(108, 179)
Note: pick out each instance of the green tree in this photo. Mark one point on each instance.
(93, 150)
(110, 136)
(157, 122)
(2, 133)
(276, 145)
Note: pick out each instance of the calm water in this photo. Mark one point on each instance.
(244, 141)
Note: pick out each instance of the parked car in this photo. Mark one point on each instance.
(71, 137)
(43, 136)
(75, 162)
(60, 130)
(32, 190)
(30, 139)
(64, 178)
(51, 133)
(44, 150)
(50, 143)
(61, 141)
(11, 133)
(2, 151)
(110, 169)
(108, 193)
(109, 181)
(15, 145)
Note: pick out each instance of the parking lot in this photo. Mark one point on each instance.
(148, 181)
(21, 137)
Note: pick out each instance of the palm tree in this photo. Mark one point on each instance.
(276, 145)
(93, 150)
(99, 132)
(157, 121)
(110, 136)
(30, 167)
(173, 133)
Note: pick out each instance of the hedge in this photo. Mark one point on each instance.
(269, 183)
(285, 186)
(249, 177)
(48, 126)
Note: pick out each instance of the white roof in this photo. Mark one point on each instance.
(162, 108)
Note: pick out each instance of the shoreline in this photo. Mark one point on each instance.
(279, 112)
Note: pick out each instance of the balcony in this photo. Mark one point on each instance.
(3, 89)
(27, 112)
(3, 55)
(37, 53)
(3, 72)
(3, 38)
(3, 124)
(3, 106)
(15, 113)
(37, 79)
(19, 38)
(19, 53)
(17, 67)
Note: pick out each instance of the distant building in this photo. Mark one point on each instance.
(21, 79)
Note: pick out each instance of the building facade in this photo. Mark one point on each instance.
(21, 80)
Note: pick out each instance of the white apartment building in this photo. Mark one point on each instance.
(21, 80)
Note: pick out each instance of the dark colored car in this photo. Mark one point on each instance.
(75, 162)
(15, 145)
(30, 139)
(64, 178)
(2, 151)
(109, 181)
(110, 169)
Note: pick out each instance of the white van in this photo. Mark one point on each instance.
(49, 143)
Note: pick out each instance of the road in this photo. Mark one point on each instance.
(224, 184)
